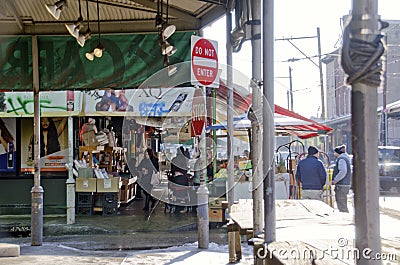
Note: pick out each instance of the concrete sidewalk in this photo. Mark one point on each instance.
(163, 239)
(57, 253)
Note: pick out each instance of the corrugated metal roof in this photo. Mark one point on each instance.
(19, 17)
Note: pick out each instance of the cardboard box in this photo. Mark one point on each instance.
(108, 185)
(89, 139)
(216, 215)
(85, 185)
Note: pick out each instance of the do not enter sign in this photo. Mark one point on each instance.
(204, 62)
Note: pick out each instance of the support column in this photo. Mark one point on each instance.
(268, 123)
(70, 181)
(37, 190)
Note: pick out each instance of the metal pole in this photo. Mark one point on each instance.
(384, 99)
(214, 132)
(202, 192)
(268, 122)
(291, 88)
(230, 167)
(321, 77)
(365, 26)
(37, 190)
(70, 181)
(256, 150)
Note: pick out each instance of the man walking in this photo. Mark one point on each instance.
(311, 174)
(341, 177)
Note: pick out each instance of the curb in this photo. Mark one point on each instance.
(9, 250)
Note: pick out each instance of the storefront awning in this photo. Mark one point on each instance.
(286, 121)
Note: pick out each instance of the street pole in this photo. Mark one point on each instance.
(319, 65)
(384, 126)
(268, 123)
(364, 27)
(37, 190)
(230, 167)
(202, 193)
(256, 149)
(70, 181)
(291, 88)
(321, 77)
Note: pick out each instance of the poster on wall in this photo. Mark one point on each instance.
(53, 144)
(7, 146)
(52, 104)
(144, 102)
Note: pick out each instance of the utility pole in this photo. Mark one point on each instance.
(290, 89)
(321, 77)
(319, 65)
(384, 126)
(268, 144)
(365, 27)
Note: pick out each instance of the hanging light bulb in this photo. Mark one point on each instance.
(168, 31)
(74, 28)
(166, 48)
(84, 37)
(98, 51)
(89, 56)
(55, 10)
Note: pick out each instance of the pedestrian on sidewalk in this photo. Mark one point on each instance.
(311, 174)
(341, 177)
(147, 166)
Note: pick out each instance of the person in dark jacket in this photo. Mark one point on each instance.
(179, 168)
(147, 166)
(341, 177)
(311, 174)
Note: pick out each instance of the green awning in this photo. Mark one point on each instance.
(127, 61)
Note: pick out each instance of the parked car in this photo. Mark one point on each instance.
(389, 168)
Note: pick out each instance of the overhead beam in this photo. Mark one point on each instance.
(107, 27)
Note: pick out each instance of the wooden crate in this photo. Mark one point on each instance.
(216, 215)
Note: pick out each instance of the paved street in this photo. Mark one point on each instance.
(171, 245)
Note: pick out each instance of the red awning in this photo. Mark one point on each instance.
(242, 101)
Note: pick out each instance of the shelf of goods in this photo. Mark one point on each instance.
(108, 157)
(103, 194)
(128, 190)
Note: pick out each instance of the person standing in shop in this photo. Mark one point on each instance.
(147, 166)
(311, 174)
(341, 177)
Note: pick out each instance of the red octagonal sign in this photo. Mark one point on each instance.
(198, 112)
(204, 62)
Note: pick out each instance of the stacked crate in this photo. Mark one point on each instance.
(84, 203)
(216, 210)
(110, 203)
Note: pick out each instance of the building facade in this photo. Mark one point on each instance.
(338, 94)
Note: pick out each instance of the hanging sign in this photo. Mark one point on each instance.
(204, 67)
